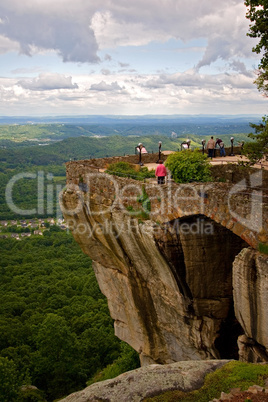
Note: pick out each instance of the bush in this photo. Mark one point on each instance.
(125, 169)
(187, 166)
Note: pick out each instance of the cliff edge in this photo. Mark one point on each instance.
(179, 264)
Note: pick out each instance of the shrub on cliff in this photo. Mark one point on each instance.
(257, 149)
(125, 169)
(187, 166)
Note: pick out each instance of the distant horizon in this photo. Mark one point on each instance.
(147, 115)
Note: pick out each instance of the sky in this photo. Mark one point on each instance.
(127, 57)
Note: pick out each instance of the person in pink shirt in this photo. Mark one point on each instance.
(161, 173)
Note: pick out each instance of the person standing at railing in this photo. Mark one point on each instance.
(210, 147)
(141, 149)
(161, 173)
(222, 150)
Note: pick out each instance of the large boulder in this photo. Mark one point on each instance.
(148, 381)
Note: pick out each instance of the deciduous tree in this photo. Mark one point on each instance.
(257, 13)
(257, 150)
(9, 385)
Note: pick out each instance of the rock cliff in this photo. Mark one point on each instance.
(175, 264)
(250, 284)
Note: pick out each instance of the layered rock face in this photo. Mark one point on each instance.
(169, 279)
(250, 282)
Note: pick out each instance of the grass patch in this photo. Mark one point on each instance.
(263, 248)
(145, 201)
(59, 179)
(138, 213)
(144, 213)
(125, 169)
(233, 375)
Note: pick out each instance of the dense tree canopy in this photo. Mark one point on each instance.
(55, 328)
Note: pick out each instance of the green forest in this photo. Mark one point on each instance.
(87, 148)
(55, 329)
(46, 133)
(56, 334)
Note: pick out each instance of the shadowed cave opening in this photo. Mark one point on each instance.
(200, 253)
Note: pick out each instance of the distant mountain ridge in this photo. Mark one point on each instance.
(116, 119)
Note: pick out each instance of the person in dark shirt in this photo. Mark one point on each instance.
(218, 141)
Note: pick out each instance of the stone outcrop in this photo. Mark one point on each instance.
(250, 283)
(136, 385)
(163, 256)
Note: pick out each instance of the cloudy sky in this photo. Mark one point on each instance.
(129, 57)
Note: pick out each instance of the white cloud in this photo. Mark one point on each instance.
(208, 72)
(194, 79)
(112, 31)
(189, 92)
(105, 71)
(104, 86)
(48, 82)
(137, 23)
(7, 45)
(239, 66)
(61, 26)
(76, 30)
(26, 70)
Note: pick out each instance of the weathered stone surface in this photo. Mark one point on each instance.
(149, 381)
(167, 301)
(168, 280)
(250, 282)
(241, 207)
(250, 351)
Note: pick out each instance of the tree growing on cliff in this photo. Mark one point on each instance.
(187, 166)
(257, 150)
(257, 13)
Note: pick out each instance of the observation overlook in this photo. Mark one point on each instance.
(183, 266)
